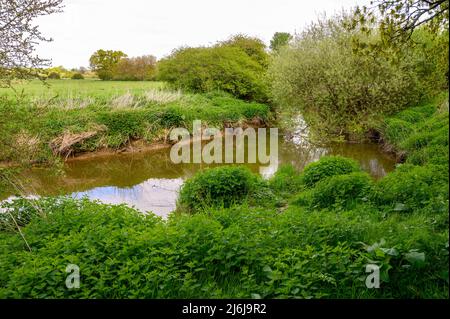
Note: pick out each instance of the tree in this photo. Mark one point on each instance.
(19, 36)
(399, 18)
(255, 48)
(224, 67)
(136, 69)
(339, 91)
(104, 63)
(279, 40)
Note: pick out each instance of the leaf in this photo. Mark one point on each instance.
(256, 296)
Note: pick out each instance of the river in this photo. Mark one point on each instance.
(149, 181)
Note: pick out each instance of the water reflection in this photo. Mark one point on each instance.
(150, 181)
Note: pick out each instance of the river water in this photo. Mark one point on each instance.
(149, 181)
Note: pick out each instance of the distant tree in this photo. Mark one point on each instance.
(54, 75)
(104, 63)
(77, 76)
(136, 69)
(18, 37)
(254, 47)
(279, 40)
(222, 67)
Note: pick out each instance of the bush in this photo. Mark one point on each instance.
(77, 76)
(326, 167)
(54, 76)
(222, 186)
(338, 191)
(226, 68)
(412, 187)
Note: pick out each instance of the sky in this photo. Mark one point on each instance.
(141, 27)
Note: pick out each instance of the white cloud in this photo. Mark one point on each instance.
(140, 27)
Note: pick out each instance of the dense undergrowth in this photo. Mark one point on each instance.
(37, 130)
(298, 235)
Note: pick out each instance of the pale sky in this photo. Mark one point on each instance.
(140, 27)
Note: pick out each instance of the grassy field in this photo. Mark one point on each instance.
(80, 88)
(87, 115)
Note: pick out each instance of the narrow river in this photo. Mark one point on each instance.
(149, 181)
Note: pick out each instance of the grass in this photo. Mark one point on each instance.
(92, 88)
(49, 122)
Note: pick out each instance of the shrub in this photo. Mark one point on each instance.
(326, 167)
(77, 76)
(412, 187)
(338, 191)
(54, 76)
(222, 186)
(226, 68)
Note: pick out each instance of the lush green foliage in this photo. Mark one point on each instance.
(218, 187)
(317, 247)
(237, 66)
(326, 167)
(338, 191)
(340, 91)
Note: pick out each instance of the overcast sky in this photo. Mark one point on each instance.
(140, 27)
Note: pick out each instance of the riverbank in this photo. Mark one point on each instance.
(308, 234)
(40, 130)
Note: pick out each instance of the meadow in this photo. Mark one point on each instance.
(67, 88)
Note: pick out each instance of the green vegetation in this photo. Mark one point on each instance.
(219, 187)
(237, 66)
(39, 128)
(340, 89)
(310, 234)
(104, 63)
(326, 167)
(337, 221)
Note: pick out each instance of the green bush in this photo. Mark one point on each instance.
(226, 68)
(340, 191)
(217, 187)
(412, 187)
(326, 167)
(77, 76)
